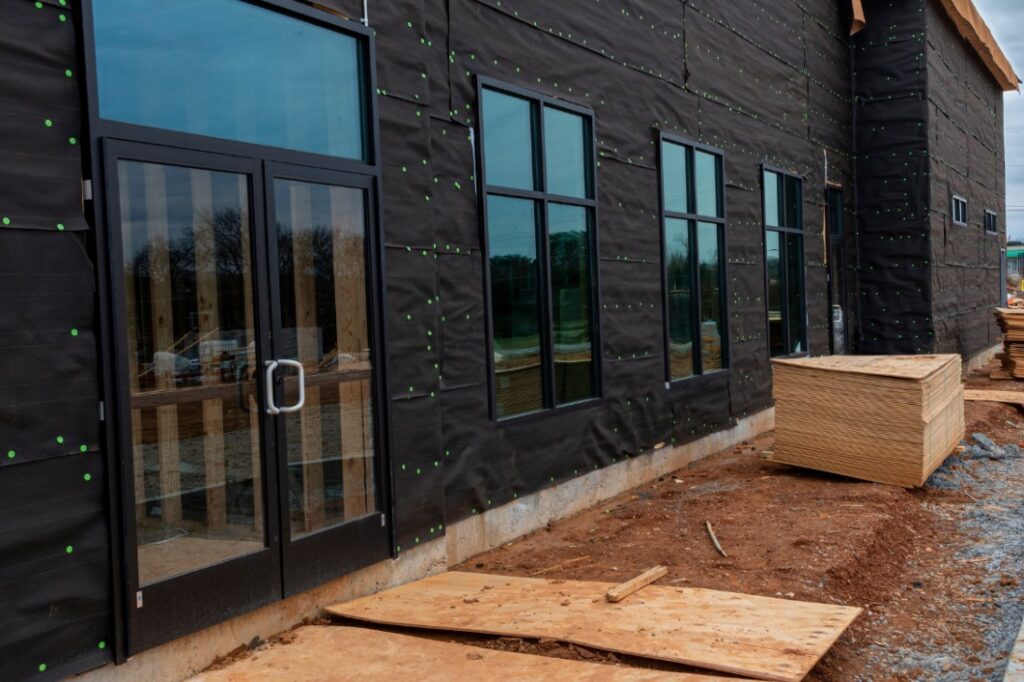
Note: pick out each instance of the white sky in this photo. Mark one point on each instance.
(1006, 19)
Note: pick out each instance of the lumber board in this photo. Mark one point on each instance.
(760, 637)
(337, 653)
(208, 314)
(623, 590)
(307, 323)
(1012, 397)
(162, 327)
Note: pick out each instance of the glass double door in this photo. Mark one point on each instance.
(244, 341)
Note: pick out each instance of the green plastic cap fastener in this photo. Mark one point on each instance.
(11, 454)
(69, 549)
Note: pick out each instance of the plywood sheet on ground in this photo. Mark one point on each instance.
(1012, 397)
(339, 654)
(761, 637)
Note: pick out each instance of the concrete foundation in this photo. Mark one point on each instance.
(186, 656)
(982, 359)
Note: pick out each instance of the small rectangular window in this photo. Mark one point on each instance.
(538, 177)
(784, 262)
(991, 222)
(959, 210)
(693, 228)
(233, 70)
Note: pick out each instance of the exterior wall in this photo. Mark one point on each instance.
(967, 158)
(781, 97)
(892, 179)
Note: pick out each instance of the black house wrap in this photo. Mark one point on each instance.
(899, 119)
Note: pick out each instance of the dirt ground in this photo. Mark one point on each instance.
(938, 570)
(940, 586)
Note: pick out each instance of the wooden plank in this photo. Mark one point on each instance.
(341, 654)
(1012, 397)
(308, 353)
(253, 370)
(623, 590)
(761, 637)
(208, 315)
(162, 323)
(348, 225)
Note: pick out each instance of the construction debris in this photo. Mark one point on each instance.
(623, 590)
(1010, 397)
(714, 539)
(890, 419)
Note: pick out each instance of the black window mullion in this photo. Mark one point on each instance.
(723, 299)
(544, 243)
(695, 303)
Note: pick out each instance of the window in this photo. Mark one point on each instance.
(233, 70)
(693, 210)
(784, 262)
(959, 210)
(991, 222)
(538, 177)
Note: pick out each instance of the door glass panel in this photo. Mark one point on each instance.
(795, 291)
(321, 263)
(680, 298)
(569, 231)
(189, 332)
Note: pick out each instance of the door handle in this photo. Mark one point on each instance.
(302, 386)
(268, 378)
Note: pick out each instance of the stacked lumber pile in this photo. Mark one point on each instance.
(891, 419)
(1011, 321)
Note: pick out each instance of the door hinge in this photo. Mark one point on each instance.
(138, 599)
(383, 520)
(103, 412)
(87, 189)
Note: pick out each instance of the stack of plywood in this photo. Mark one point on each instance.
(1011, 320)
(891, 419)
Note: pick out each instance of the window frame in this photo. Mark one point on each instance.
(993, 217)
(958, 200)
(365, 38)
(542, 199)
(784, 230)
(692, 219)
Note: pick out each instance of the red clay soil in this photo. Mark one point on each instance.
(788, 533)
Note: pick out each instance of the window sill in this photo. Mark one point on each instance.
(527, 417)
(699, 379)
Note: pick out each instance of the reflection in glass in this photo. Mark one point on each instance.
(773, 264)
(711, 323)
(515, 304)
(675, 187)
(508, 141)
(231, 69)
(565, 153)
(189, 332)
(321, 242)
(569, 230)
(705, 171)
(772, 216)
(794, 198)
(680, 297)
(795, 291)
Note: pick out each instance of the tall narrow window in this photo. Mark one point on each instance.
(693, 207)
(991, 222)
(784, 263)
(538, 176)
(959, 210)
